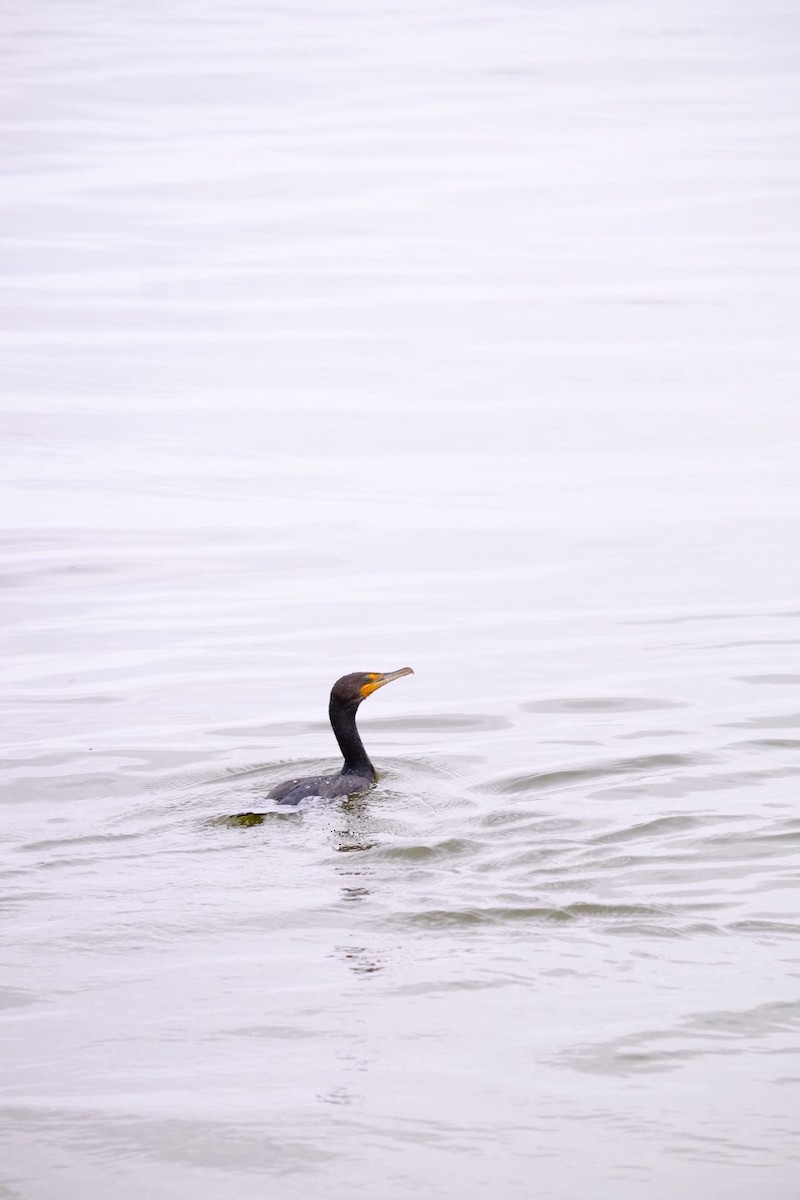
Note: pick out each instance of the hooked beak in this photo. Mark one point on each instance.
(378, 681)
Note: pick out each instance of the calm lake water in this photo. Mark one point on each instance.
(345, 336)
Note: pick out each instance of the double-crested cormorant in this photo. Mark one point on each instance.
(358, 773)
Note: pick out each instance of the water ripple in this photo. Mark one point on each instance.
(718, 1032)
(545, 914)
(546, 780)
(589, 704)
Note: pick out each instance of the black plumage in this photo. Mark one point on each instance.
(357, 773)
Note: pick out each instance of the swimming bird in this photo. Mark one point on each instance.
(358, 773)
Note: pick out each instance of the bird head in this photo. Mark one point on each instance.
(350, 690)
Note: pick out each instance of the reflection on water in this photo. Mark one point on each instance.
(455, 334)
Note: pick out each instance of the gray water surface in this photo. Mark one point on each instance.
(341, 337)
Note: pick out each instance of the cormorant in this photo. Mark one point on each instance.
(358, 773)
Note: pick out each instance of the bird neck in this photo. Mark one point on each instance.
(343, 723)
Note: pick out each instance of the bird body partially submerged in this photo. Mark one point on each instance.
(325, 787)
(357, 774)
